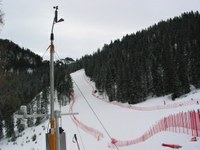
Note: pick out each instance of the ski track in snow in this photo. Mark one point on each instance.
(151, 108)
(121, 123)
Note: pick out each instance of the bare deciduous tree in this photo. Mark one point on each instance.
(1, 17)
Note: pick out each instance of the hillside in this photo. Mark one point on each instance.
(23, 75)
(120, 123)
(160, 62)
(157, 61)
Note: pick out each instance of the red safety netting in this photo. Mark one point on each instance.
(149, 108)
(97, 134)
(174, 146)
(140, 108)
(183, 122)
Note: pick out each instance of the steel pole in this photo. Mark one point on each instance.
(52, 117)
(57, 116)
(52, 80)
(54, 132)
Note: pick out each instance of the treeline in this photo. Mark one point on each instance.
(162, 59)
(23, 75)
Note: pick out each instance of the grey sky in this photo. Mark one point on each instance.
(88, 25)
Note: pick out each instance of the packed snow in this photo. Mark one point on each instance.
(111, 120)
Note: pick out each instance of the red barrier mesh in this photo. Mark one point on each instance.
(97, 134)
(183, 122)
(140, 108)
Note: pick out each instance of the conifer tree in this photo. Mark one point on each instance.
(20, 126)
(30, 121)
(38, 111)
(44, 101)
(160, 60)
(7, 113)
(1, 17)
(9, 126)
(1, 126)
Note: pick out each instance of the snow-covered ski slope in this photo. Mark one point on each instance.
(109, 120)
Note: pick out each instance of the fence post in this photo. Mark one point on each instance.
(195, 123)
(198, 124)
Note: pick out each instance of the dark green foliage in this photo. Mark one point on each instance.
(9, 125)
(160, 60)
(39, 110)
(34, 137)
(30, 121)
(14, 137)
(1, 126)
(63, 82)
(23, 75)
(20, 126)
(44, 101)
(1, 17)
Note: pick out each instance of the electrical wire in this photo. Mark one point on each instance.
(59, 58)
(58, 55)
(80, 137)
(45, 51)
(94, 113)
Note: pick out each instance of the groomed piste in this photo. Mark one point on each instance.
(184, 122)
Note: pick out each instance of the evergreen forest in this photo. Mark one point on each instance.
(24, 80)
(160, 60)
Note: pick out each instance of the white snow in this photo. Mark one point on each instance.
(119, 123)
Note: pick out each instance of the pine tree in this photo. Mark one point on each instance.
(1, 17)
(9, 126)
(162, 59)
(44, 101)
(20, 126)
(1, 126)
(30, 121)
(38, 104)
(7, 113)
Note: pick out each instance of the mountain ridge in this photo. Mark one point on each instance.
(159, 60)
(23, 75)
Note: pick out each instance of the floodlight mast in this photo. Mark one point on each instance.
(54, 144)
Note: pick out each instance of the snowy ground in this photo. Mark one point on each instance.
(119, 123)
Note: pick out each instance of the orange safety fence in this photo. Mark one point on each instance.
(183, 122)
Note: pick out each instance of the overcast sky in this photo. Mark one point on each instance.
(88, 25)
